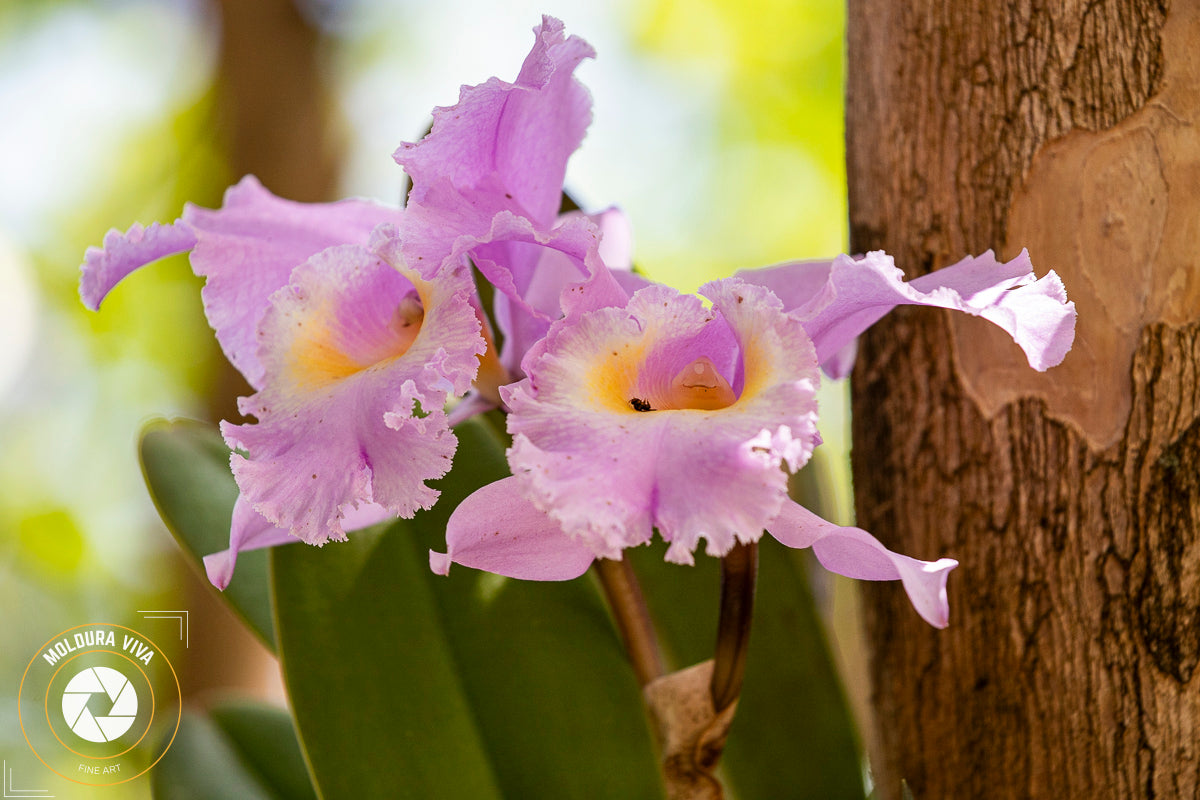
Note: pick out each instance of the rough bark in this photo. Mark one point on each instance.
(1072, 498)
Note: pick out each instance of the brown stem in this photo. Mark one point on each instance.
(739, 571)
(624, 596)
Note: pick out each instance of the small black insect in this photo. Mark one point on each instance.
(640, 404)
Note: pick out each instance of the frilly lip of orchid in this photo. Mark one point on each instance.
(612, 441)
(672, 416)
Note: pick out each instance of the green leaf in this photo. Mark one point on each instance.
(186, 467)
(793, 710)
(793, 735)
(206, 762)
(265, 738)
(408, 684)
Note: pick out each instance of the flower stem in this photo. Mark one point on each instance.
(739, 573)
(624, 596)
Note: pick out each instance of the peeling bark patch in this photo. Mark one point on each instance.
(1168, 604)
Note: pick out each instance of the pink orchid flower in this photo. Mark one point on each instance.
(660, 413)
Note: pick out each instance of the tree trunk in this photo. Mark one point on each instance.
(1071, 498)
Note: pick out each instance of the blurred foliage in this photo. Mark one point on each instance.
(239, 750)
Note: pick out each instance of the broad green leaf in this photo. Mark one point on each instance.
(265, 738)
(793, 735)
(793, 710)
(186, 467)
(408, 684)
(378, 700)
(203, 764)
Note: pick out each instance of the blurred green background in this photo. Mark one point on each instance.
(717, 128)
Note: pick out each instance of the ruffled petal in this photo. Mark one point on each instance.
(539, 274)
(356, 376)
(122, 253)
(506, 145)
(839, 300)
(246, 251)
(250, 530)
(496, 529)
(585, 453)
(857, 554)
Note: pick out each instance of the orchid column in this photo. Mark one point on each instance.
(1070, 498)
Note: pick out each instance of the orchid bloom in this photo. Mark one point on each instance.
(353, 354)
(248, 251)
(367, 309)
(661, 413)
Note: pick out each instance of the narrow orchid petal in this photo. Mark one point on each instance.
(496, 529)
(839, 300)
(857, 554)
(1034, 311)
(612, 440)
(246, 251)
(250, 530)
(506, 145)
(360, 353)
(103, 268)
